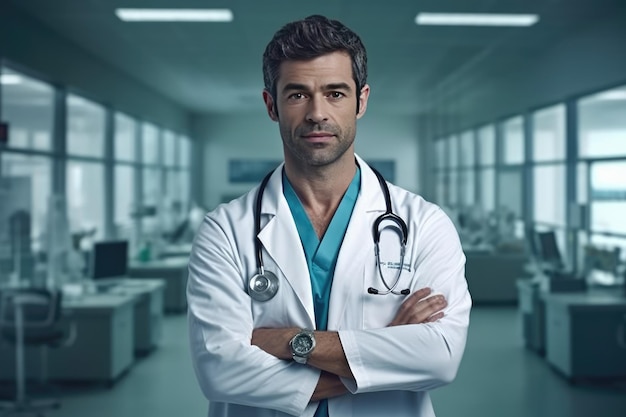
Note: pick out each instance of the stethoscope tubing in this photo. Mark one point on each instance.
(388, 215)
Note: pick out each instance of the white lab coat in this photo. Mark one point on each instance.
(394, 367)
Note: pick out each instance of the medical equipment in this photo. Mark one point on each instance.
(264, 285)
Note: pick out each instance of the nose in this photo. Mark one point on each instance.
(317, 112)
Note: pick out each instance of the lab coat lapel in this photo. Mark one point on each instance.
(279, 236)
(357, 247)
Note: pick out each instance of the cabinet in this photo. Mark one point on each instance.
(586, 334)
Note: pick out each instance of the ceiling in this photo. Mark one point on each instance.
(216, 67)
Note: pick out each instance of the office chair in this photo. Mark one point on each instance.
(31, 317)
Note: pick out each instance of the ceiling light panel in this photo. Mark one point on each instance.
(175, 15)
(7, 79)
(476, 19)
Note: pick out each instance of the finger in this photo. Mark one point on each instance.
(426, 308)
(418, 295)
(435, 317)
(411, 301)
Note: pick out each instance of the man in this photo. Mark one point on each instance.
(354, 328)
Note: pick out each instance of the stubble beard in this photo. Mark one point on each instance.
(318, 154)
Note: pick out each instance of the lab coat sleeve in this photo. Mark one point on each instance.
(418, 357)
(229, 369)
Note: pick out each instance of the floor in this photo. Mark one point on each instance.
(498, 377)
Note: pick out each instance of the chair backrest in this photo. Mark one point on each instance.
(41, 308)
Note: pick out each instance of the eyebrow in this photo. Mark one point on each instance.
(302, 87)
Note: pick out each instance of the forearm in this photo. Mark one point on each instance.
(328, 354)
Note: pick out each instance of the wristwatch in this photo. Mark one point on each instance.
(302, 345)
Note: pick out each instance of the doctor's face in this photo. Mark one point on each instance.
(316, 109)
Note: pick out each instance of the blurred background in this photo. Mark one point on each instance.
(118, 131)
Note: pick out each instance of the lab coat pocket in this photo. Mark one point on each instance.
(273, 312)
(378, 309)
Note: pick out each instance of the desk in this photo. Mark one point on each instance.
(174, 272)
(113, 324)
(148, 314)
(176, 251)
(586, 333)
(104, 345)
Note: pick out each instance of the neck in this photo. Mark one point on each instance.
(320, 190)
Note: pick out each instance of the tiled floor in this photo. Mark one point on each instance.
(498, 377)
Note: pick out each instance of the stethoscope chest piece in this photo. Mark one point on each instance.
(263, 287)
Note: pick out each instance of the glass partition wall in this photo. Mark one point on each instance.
(559, 168)
(74, 170)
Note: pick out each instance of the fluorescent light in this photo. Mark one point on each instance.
(617, 94)
(175, 15)
(476, 19)
(7, 79)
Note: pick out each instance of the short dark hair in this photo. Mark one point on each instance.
(310, 38)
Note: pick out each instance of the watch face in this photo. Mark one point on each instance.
(302, 344)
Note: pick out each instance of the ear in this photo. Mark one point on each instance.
(270, 105)
(365, 93)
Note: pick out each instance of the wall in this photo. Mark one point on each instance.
(28, 44)
(255, 136)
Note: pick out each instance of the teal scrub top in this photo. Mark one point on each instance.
(321, 256)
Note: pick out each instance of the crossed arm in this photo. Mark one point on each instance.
(329, 356)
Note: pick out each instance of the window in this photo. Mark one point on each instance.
(453, 152)
(549, 194)
(440, 154)
(486, 142)
(150, 144)
(608, 197)
(549, 166)
(549, 134)
(125, 194)
(601, 184)
(488, 186)
(468, 197)
(85, 127)
(184, 152)
(84, 180)
(602, 124)
(125, 205)
(466, 143)
(513, 141)
(25, 184)
(27, 105)
(467, 163)
(487, 146)
(169, 149)
(125, 138)
(85, 197)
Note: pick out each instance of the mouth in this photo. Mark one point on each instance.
(318, 136)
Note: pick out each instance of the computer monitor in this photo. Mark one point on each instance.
(109, 259)
(549, 249)
(531, 243)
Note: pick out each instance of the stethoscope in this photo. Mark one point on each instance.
(263, 285)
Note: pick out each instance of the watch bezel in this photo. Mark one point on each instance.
(302, 357)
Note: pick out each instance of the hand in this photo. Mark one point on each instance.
(416, 309)
(328, 386)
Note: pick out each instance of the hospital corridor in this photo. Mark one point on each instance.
(328, 209)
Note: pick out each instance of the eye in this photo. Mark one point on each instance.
(296, 96)
(336, 95)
